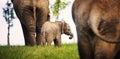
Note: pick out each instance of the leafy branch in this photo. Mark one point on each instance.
(58, 6)
(9, 16)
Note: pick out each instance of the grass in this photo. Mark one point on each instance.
(66, 51)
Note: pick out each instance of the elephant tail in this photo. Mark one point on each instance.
(106, 31)
(43, 31)
(34, 9)
(43, 39)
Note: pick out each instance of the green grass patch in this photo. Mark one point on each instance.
(66, 51)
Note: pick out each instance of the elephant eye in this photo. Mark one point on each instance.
(68, 29)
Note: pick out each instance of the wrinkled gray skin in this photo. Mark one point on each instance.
(98, 28)
(32, 14)
(52, 31)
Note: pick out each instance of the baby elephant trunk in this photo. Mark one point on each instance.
(71, 36)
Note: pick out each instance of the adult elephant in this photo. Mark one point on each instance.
(52, 31)
(32, 14)
(98, 28)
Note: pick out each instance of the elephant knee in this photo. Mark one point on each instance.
(32, 28)
(59, 43)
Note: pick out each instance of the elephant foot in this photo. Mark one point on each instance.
(30, 39)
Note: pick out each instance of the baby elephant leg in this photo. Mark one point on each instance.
(58, 41)
(43, 42)
(49, 40)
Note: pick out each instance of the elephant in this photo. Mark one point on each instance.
(52, 31)
(32, 14)
(98, 28)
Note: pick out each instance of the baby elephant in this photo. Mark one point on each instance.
(51, 31)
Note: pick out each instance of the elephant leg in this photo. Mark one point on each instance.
(43, 40)
(41, 18)
(39, 39)
(29, 36)
(84, 45)
(42, 15)
(28, 24)
(58, 41)
(49, 40)
(104, 50)
(49, 43)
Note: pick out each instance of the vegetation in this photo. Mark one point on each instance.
(58, 5)
(9, 16)
(66, 51)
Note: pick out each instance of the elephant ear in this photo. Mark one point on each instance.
(107, 30)
(62, 27)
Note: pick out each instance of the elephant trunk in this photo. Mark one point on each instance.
(71, 36)
(95, 23)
